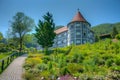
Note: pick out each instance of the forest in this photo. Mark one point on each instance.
(105, 28)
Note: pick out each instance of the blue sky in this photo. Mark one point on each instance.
(94, 11)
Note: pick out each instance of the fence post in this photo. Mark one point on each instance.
(7, 60)
(2, 67)
(10, 58)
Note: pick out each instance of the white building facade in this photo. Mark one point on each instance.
(77, 32)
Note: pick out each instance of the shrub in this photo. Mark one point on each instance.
(117, 60)
(35, 55)
(64, 71)
(31, 62)
(74, 68)
(34, 71)
(109, 62)
(28, 76)
(117, 36)
(62, 61)
(101, 62)
(45, 74)
(115, 68)
(41, 66)
(46, 59)
(107, 56)
(64, 50)
(78, 58)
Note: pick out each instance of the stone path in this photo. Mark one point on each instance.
(14, 70)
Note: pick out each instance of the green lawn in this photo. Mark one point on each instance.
(3, 55)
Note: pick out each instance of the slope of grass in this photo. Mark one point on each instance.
(3, 55)
(98, 61)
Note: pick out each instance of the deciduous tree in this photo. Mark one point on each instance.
(20, 26)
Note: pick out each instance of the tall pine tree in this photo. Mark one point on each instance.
(45, 32)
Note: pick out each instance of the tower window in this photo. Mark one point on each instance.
(84, 41)
(77, 25)
(78, 33)
(84, 34)
(59, 35)
(78, 41)
(71, 42)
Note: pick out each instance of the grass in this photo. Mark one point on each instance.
(3, 55)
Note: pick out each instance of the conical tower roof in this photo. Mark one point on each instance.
(78, 17)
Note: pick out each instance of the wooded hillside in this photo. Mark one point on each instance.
(105, 28)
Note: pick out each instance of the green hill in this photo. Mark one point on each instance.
(98, 61)
(105, 28)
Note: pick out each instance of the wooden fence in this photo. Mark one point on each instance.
(7, 60)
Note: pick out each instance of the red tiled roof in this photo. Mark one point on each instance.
(60, 30)
(78, 17)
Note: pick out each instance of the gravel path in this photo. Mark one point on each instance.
(14, 70)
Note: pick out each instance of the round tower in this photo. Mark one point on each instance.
(78, 30)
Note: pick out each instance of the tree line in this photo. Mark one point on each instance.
(107, 28)
(21, 25)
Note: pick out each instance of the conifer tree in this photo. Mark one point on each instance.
(45, 32)
(1, 36)
(114, 32)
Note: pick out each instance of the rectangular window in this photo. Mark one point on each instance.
(59, 42)
(78, 26)
(65, 34)
(91, 41)
(71, 27)
(78, 36)
(84, 41)
(59, 35)
(78, 33)
(78, 41)
(71, 42)
(78, 30)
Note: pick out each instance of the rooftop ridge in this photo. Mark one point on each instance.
(60, 30)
